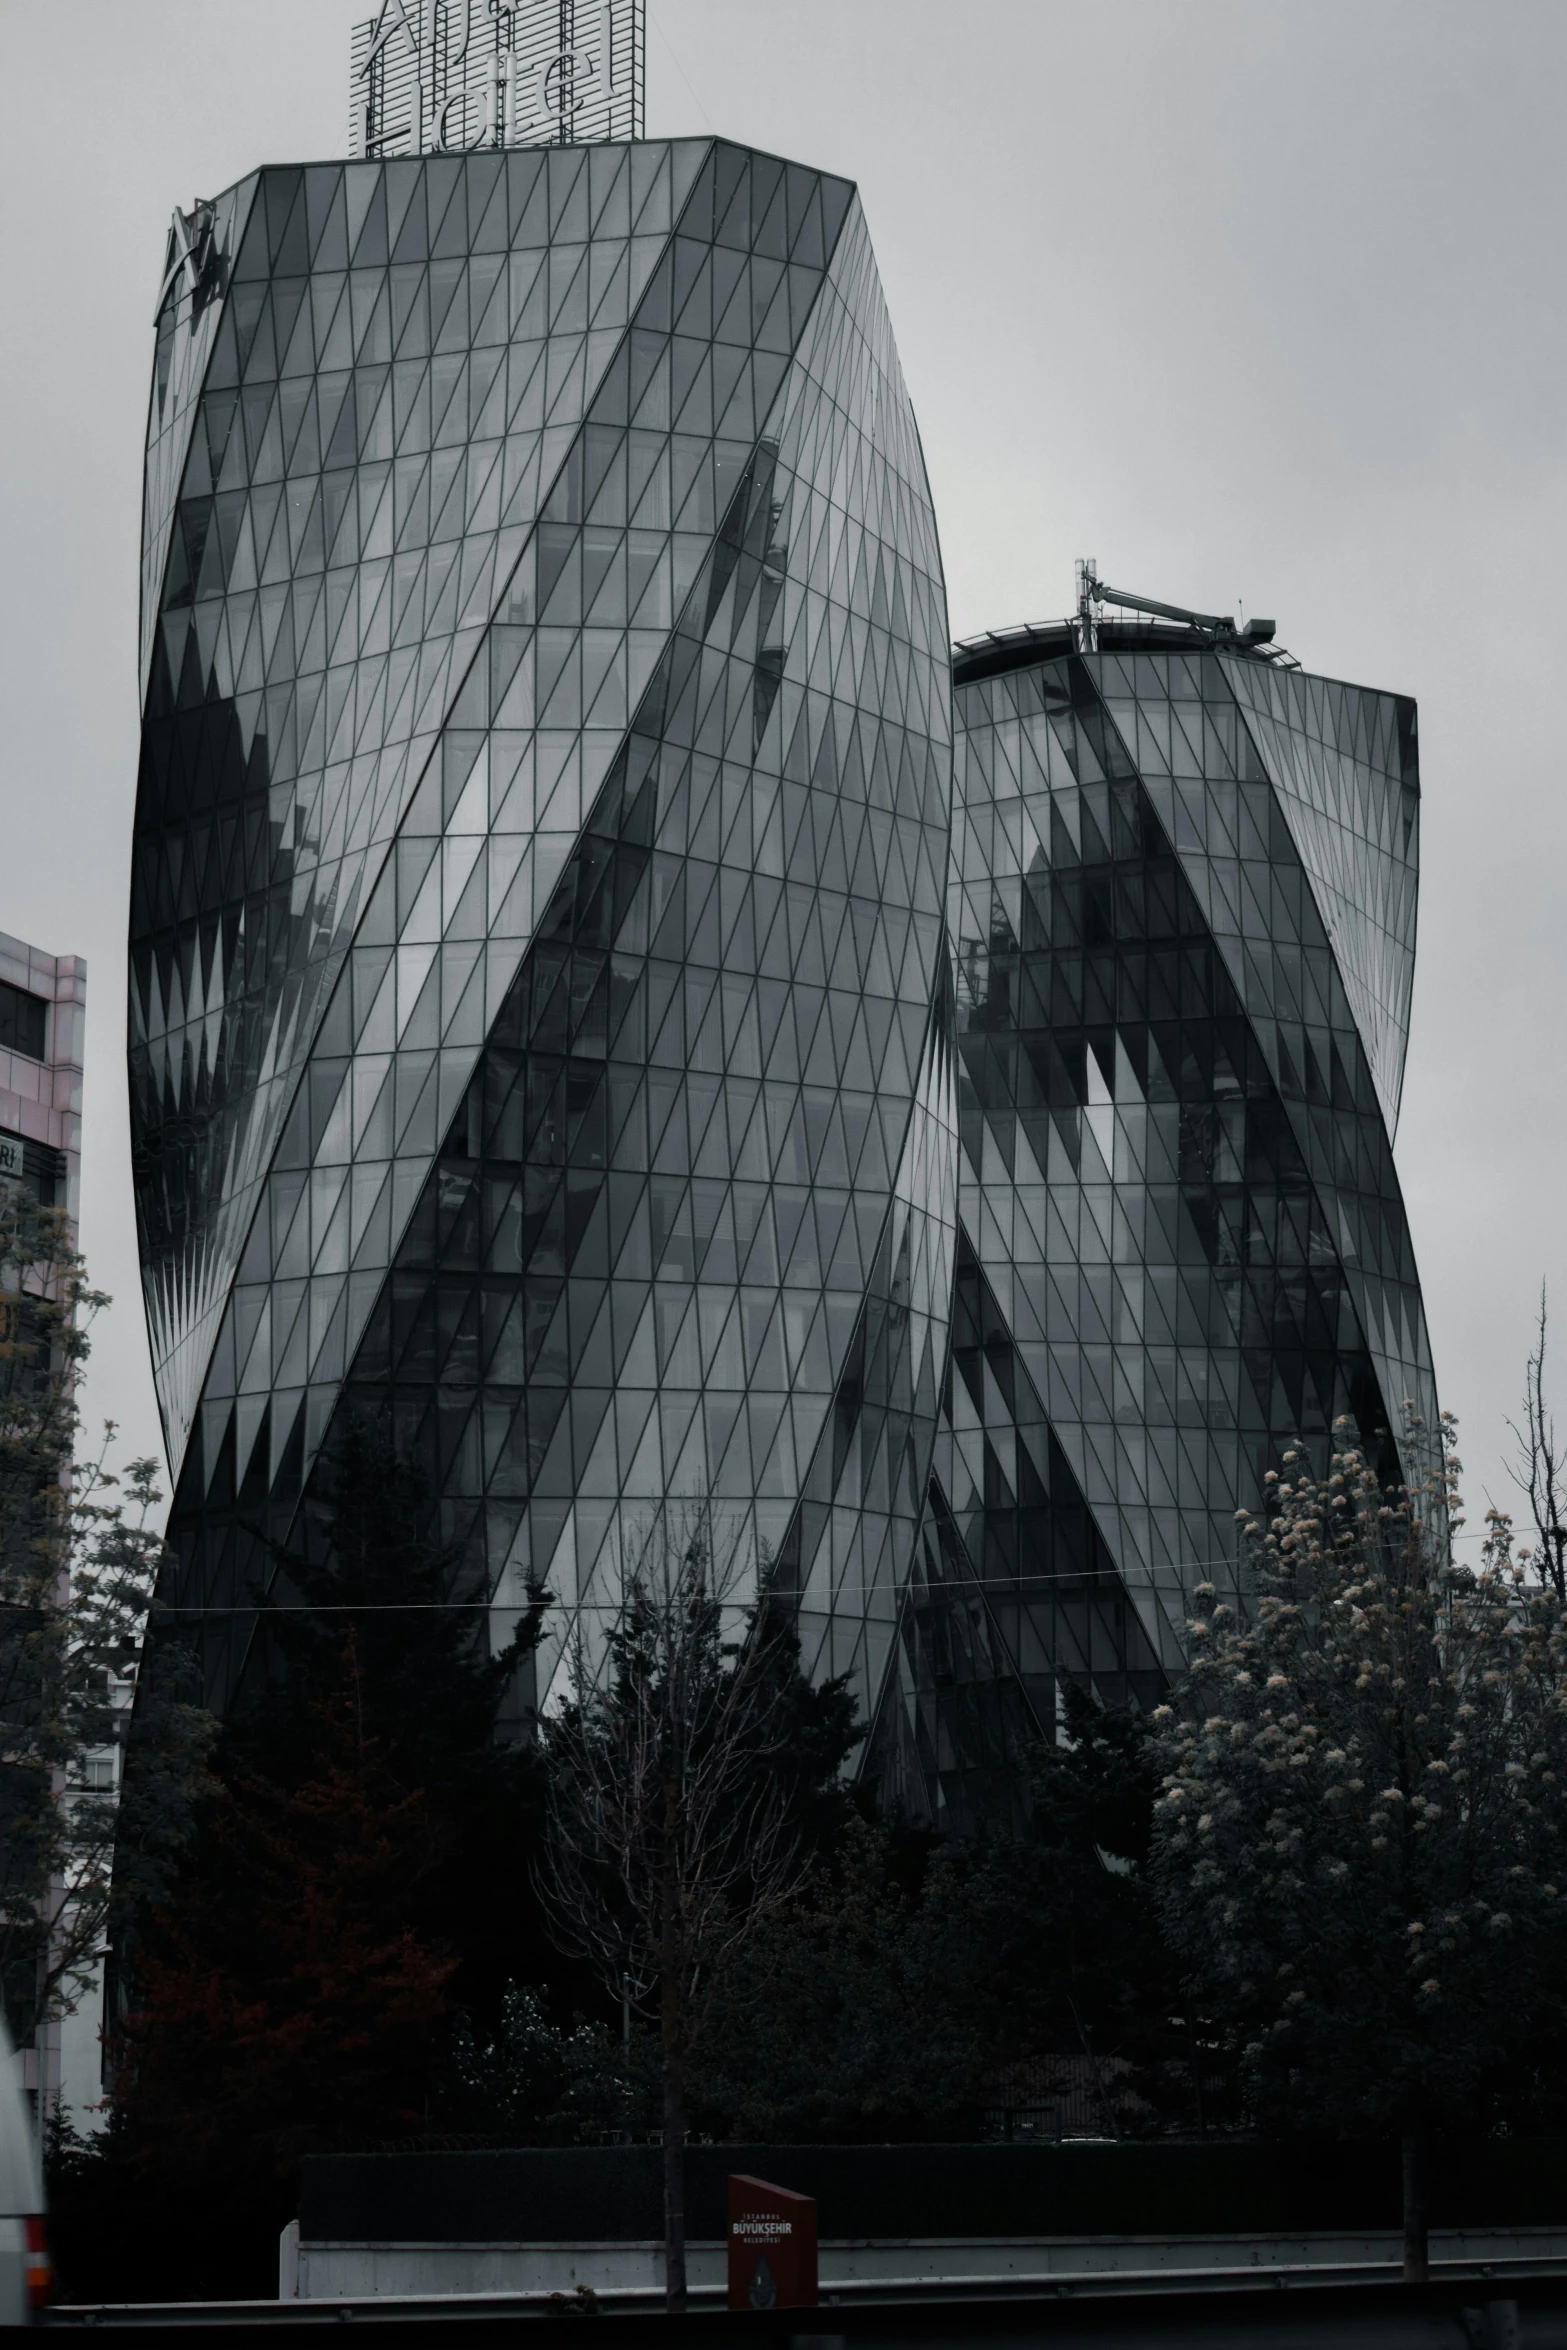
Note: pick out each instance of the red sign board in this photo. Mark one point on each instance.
(772, 2246)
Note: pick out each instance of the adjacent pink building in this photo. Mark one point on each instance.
(42, 1020)
(43, 1002)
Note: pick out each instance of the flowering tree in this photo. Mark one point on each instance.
(535, 2083)
(1359, 1841)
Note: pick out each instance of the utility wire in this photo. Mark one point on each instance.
(680, 69)
(1003, 1587)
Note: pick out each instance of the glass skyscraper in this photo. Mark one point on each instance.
(593, 1020)
(1182, 910)
(540, 1014)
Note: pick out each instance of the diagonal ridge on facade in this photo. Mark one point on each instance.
(540, 850)
(1182, 910)
(593, 1017)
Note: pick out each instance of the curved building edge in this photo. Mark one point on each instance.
(540, 853)
(1182, 918)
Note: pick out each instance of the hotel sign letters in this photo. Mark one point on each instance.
(452, 76)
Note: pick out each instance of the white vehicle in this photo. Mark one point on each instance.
(24, 2242)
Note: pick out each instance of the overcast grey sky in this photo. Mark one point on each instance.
(1254, 300)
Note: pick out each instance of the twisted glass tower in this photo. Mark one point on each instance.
(1182, 907)
(591, 1021)
(540, 1017)
(1182, 922)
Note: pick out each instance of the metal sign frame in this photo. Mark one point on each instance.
(434, 77)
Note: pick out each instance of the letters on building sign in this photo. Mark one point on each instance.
(772, 2246)
(457, 76)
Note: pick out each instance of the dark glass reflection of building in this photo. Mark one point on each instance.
(540, 1016)
(590, 1020)
(1182, 905)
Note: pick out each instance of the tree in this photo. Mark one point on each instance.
(293, 1971)
(283, 2000)
(888, 1993)
(861, 2008)
(1542, 1469)
(535, 2084)
(677, 1778)
(1359, 1842)
(1082, 1965)
(366, 1768)
(78, 1560)
(437, 1702)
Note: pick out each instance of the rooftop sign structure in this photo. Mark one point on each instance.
(435, 77)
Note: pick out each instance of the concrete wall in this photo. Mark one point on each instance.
(334, 2271)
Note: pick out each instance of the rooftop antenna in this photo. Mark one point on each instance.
(1086, 625)
(1219, 628)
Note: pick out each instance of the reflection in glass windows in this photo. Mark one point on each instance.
(24, 1022)
(1182, 910)
(541, 1031)
(589, 1019)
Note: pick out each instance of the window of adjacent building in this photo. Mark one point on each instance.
(22, 1021)
(31, 1163)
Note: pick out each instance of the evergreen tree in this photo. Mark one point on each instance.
(284, 2002)
(450, 1719)
(887, 1995)
(358, 1877)
(858, 2010)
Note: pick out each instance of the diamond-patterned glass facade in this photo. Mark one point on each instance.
(541, 1030)
(590, 1017)
(1182, 910)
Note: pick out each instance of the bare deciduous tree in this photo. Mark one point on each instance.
(669, 1826)
(1542, 1469)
